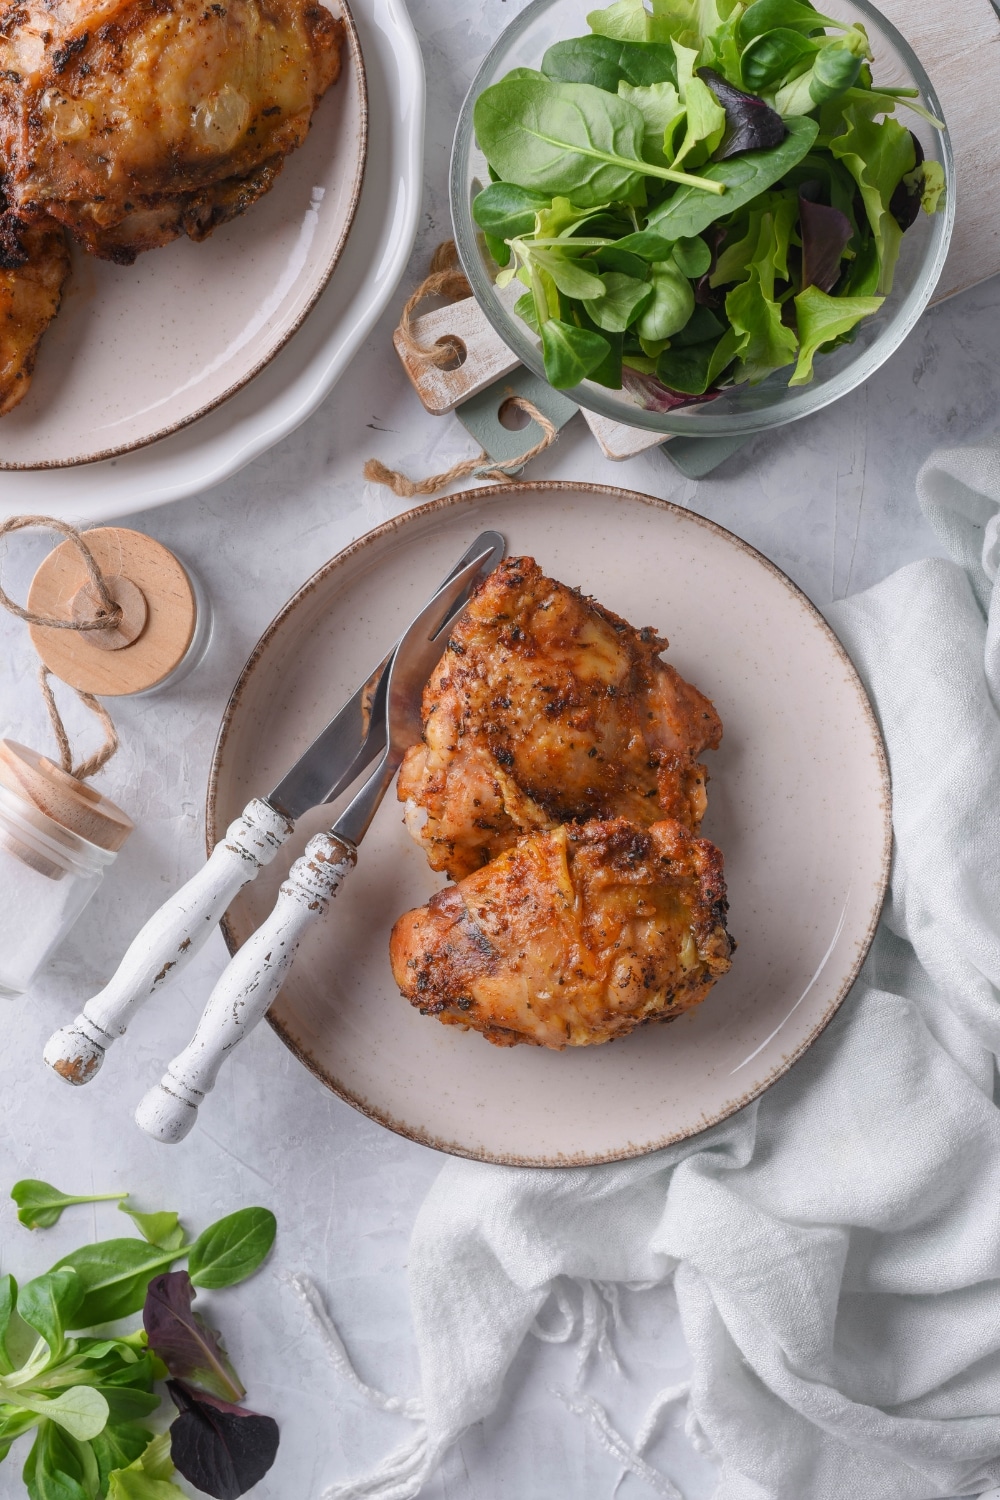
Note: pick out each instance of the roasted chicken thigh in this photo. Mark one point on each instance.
(545, 709)
(34, 264)
(571, 937)
(134, 121)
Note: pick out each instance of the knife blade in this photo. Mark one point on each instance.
(354, 737)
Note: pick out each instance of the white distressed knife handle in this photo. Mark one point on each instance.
(171, 937)
(246, 989)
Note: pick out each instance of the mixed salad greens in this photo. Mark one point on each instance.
(699, 193)
(83, 1390)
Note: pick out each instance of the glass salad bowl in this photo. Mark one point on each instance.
(738, 409)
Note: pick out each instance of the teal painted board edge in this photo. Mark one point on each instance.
(480, 415)
(696, 457)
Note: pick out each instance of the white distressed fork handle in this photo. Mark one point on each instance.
(169, 940)
(246, 989)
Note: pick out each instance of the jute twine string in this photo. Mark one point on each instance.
(446, 279)
(482, 467)
(107, 618)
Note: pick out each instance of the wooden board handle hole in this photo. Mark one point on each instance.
(511, 416)
(459, 353)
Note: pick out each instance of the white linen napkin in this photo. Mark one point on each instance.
(835, 1248)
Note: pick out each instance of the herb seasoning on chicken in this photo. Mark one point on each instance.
(557, 783)
(130, 122)
(571, 938)
(34, 264)
(134, 121)
(548, 708)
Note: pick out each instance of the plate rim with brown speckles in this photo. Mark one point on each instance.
(363, 554)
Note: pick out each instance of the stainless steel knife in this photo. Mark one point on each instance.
(353, 739)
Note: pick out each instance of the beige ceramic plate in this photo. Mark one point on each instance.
(799, 802)
(138, 352)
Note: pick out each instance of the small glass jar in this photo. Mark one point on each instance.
(48, 870)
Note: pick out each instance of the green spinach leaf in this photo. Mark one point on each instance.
(768, 15)
(647, 244)
(687, 212)
(54, 1468)
(115, 1275)
(505, 211)
(692, 369)
(607, 63)
(610, 258)
(771, 56)
(233, 1248)
(702, 326)
(117, 1447)
(568, 138)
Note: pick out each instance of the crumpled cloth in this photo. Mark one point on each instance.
(835, 1247)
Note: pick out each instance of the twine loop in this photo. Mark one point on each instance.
(108, 617)
(446, 279)
(482, 467)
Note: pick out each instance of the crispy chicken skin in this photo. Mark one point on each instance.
(134, 121)
(547, 708)
(571, 937)
(34, 264)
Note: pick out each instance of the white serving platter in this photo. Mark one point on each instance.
(292, 385)
(798, 803)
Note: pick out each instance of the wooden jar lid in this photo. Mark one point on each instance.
(159, 613)
(70, 803)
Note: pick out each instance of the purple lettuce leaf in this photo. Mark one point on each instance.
(904, 205)
(182, 1338)
(222, 1449)
(751, 125)
(825, 236)
(652, 395)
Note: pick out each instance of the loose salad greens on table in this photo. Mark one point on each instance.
(699, 193)
(83, 1392)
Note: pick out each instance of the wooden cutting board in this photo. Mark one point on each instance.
(958, 42)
